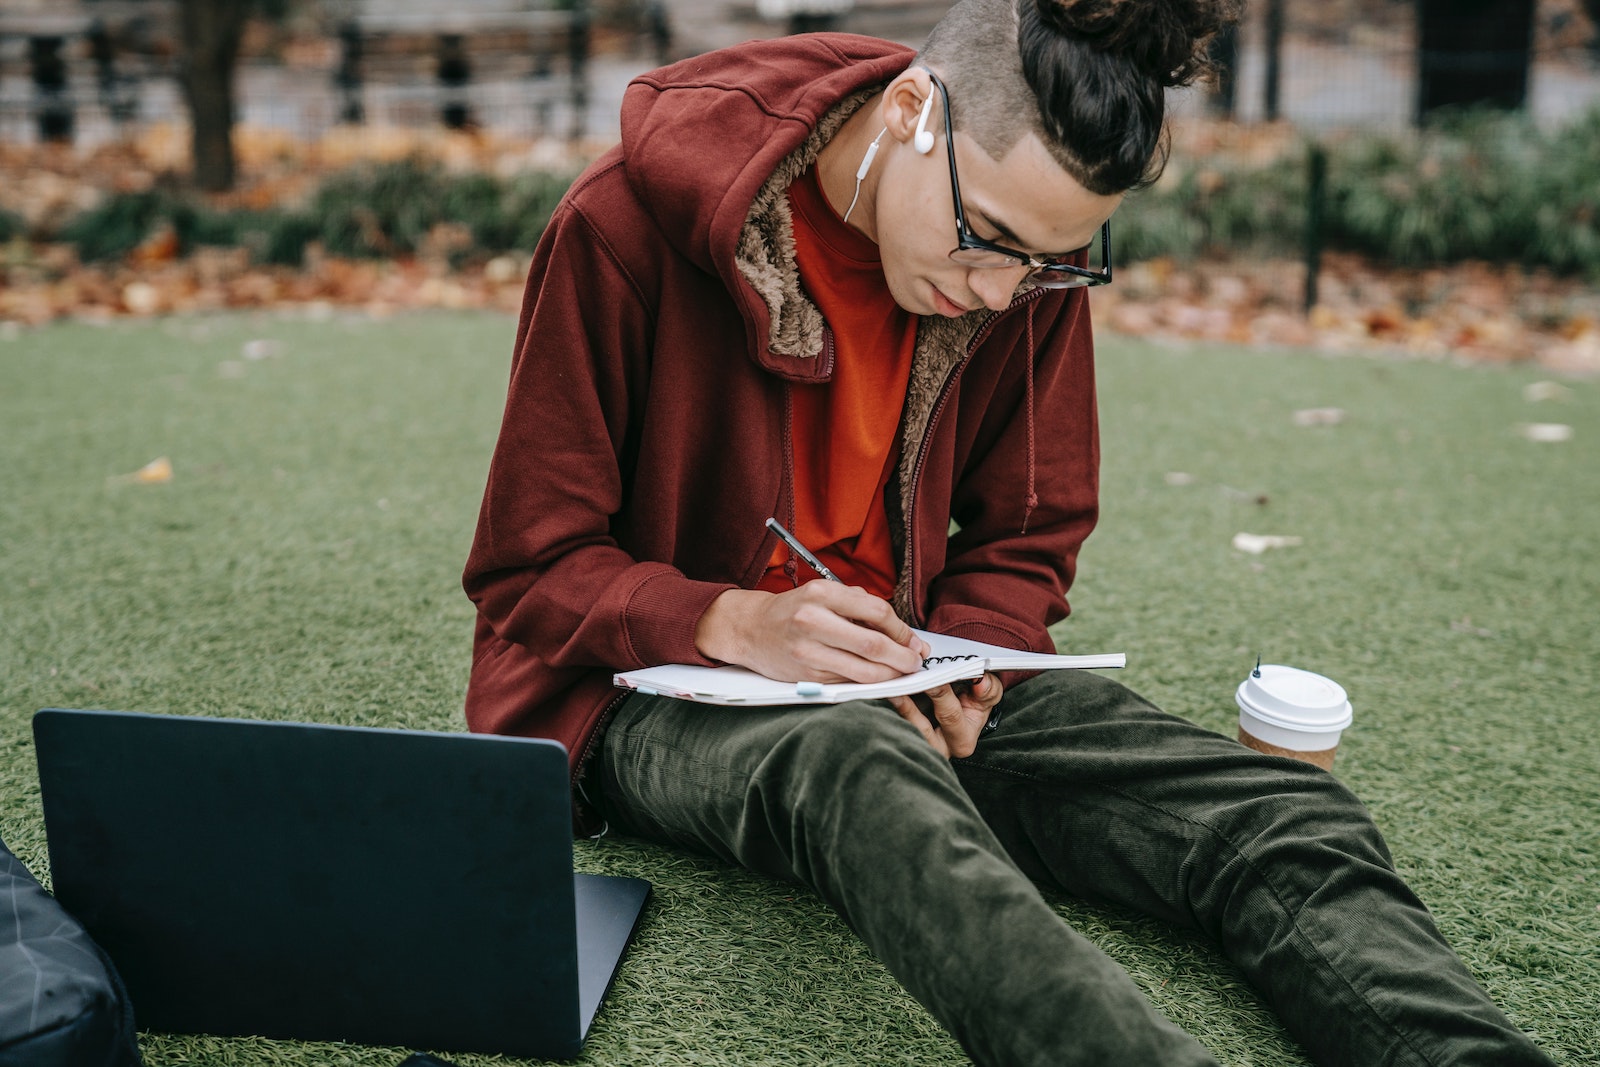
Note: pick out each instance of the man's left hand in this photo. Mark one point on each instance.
(959, 715)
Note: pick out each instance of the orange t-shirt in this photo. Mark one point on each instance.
(845, 429)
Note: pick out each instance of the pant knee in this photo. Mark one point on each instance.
(1316, 806)
(849, 755)
(848, 778)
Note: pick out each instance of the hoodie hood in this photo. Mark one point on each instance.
(711, 145)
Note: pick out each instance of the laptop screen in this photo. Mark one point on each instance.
(320, 882)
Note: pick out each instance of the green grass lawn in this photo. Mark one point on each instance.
(303, 563)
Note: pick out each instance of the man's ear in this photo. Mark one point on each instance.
(903, 101)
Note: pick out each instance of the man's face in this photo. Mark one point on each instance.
(1024, 200)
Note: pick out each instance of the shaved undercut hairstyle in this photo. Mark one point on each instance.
(1089, 77)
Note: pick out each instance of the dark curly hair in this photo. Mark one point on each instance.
(1088, 76)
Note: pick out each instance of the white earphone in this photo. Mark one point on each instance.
(923, 141)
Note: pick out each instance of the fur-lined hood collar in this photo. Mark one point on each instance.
(712, 145)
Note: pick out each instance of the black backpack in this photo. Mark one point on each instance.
(61, 1002)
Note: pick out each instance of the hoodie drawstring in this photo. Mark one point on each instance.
(1030, 501)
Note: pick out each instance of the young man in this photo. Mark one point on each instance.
(770, 300)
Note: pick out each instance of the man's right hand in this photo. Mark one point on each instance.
(819, 632)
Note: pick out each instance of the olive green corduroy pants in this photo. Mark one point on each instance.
(1087, 787)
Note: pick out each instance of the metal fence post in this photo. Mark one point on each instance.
(660, 29)
(1274, 50)
(52, 108)
(1225, 55)
(1316, 196)
(117, 94)
(455, 71)
(347, 78)
(578, 68)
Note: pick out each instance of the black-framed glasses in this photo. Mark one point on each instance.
(973, 251)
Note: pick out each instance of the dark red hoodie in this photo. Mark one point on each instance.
(645, 439)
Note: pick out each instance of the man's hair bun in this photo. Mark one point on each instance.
(1099, 71)
(1094, 77)
(1164, 39)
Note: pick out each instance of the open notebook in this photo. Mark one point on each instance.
(952, 659)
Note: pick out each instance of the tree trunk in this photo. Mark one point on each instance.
(211, 30)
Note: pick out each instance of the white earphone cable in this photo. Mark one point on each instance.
(861, 171)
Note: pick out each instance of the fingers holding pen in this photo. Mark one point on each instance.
(849, 632)
(874, 611)
(854, 619)
(821, 631)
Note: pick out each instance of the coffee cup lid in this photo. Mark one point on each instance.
(1295, 699)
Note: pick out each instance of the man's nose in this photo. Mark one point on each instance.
(996, 286)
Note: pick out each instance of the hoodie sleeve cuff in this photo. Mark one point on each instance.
(661, 617)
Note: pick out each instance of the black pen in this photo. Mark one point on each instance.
(817, 565)
(802, 551)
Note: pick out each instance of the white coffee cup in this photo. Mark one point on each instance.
(1285, 711)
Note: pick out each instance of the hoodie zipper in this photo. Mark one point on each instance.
(923, 446)
(581, 765)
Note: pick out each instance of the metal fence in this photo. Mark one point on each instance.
(1384, 64)
(95, 70)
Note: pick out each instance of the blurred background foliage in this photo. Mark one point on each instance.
(376, 210)
(1327, 190)
(1475, 185)
(1485, 185)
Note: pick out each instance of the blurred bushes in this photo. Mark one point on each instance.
(1217, 205)
(119, 224)
(1475, 186)
(386, 210)
(371, 211)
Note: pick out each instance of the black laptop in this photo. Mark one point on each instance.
(292, 880)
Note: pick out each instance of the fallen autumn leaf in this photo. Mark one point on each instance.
(155, 472)
(1545, 432)
(1255, 544)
